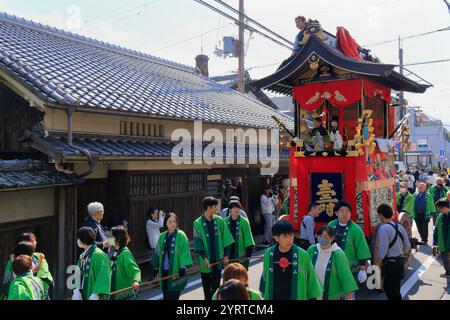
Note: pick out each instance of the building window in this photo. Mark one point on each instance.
(141, 129)
(166, 184)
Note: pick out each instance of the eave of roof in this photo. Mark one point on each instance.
(118, 147)
(279, 81)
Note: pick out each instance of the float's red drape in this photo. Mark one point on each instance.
(340, 93)
(371, 89)
(347, 44)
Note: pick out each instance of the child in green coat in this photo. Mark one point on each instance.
(288, 273)
(172, 256)
(27, 246)
(242, 234)
(332, 267)
(25, 286)
(95, 269)
(212, 241)
(441, 236)
(125, 270)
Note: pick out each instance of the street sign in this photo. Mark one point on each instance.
(442, 153)
(422, 143)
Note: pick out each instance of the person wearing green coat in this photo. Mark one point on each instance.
(437, 192)
(288, 273)
(242, 235)
(125, 270)
(172, 257)
(423, 210)
(25, 286)
(285, 207)
(212, 241)
(332, 267)
(239, 272)
(405, 200)
(27, 245)
(40, 265)
(95, 269)
(350, 238)
(441, 236)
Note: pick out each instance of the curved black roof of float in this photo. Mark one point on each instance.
(321, 49)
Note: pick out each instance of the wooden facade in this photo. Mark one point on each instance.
(56, 230)
(16, 116)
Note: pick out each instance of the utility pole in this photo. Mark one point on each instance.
(401, 94)
(241, 69)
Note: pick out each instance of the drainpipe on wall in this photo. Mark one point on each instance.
(91, 161)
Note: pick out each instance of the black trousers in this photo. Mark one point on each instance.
(169, 295)
(422, 227)
(445, 256)
(393, 271)
(211, 282)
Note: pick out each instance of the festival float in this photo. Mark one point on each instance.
(349, 152)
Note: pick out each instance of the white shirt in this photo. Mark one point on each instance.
(153, 232)
(431, 180)
(410, 181)
(322, 262)
(268, 204)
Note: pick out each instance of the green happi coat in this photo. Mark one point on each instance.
(180, 256)
(443, 244)
(27, 287)
(125, 271)
(252, 293)
(339, 279)
(305, 284)
(355, 245)
(430, 209)
(408, 204)
(285, 207)
(243, 238)
(43, 273)
(223, 239)
(95, 270)
(442, 192)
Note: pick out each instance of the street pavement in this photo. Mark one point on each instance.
(421, 282)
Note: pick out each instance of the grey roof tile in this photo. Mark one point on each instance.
(20, 174)
(63, 68)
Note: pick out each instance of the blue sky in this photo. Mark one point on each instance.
(153, 26)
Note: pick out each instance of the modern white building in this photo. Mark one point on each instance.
(430, 141)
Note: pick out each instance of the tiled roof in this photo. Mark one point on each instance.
(25, 174)
(64, 68)
(124, 147)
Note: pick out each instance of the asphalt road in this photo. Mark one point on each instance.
(421, 282)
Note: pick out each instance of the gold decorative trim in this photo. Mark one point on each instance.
(374, 185)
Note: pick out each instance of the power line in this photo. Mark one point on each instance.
(426, 62)
(123, 15)
(191, 38)
(409, 37)
(143, 10)
(113, 12)
(246, 26)
(255, 22)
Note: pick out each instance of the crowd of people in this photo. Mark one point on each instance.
(325, 263)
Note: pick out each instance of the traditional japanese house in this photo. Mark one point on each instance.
(333, 79)
(99, 118)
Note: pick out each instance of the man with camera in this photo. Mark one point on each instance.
(269, 201)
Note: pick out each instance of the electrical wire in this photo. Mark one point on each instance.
(408, 37)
